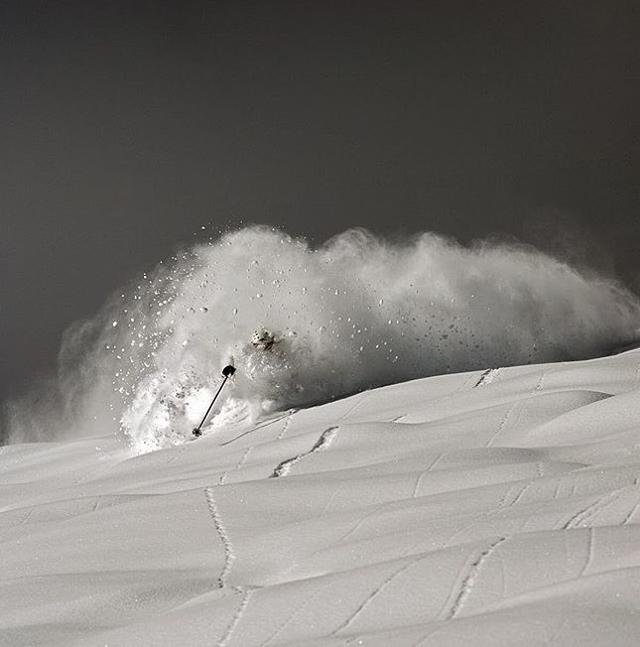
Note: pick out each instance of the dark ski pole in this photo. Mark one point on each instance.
(227, 371)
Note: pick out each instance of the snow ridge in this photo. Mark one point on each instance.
(229, 555)
(470, 579)
(283, 468)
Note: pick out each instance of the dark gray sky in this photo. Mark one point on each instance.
(125, 126)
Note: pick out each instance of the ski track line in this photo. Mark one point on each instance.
(426, 636)
(589, 511)
(503, 423)
(285, 427)
(503, 501)
(556, 491)
(283, 468)
(464, 385)
(487, 376)
(237, 616)
(470, 578)
(364, 397)
(243, 459)
(253, 429)
(25, 519)
(484, 378)
(303, 605)
(630, 514)
(361, 521)
(229, 555)
(481, 379)
(375, 593)
(422, 474)
(590, 552)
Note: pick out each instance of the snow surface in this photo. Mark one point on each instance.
(496, 507)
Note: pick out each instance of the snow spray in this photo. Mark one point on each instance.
(354, 313)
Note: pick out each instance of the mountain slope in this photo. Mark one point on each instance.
(495, 507)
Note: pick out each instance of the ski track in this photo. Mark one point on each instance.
(521, 493)
(556, 490)
(283, 468)
(422, 474)
(243, 459)
(361, 522)
(26, 517)
(469, 580)
(503, 423)
(229, 555)
(589, 511)
(363, 398)
(375, 593)
(253, 430)
(590, 552)
(237, 616)
(630, 514)
(303, 605)
(487, 376)
(502, 504)
(286, 424)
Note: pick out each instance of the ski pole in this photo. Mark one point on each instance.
(227, 371)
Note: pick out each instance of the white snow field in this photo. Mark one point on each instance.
(484, 508)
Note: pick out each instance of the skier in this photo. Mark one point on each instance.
(264, 339)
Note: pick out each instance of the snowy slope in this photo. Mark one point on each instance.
(484, 508)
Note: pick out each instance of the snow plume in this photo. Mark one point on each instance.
(355, 313)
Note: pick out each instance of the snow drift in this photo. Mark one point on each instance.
(355, 313)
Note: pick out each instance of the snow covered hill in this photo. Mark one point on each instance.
(484, 508)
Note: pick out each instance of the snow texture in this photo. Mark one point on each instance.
(479, 508)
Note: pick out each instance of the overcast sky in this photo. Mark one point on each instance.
(126, 126)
